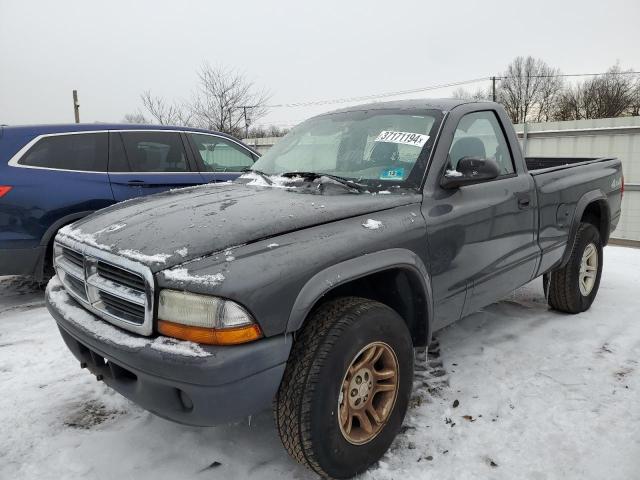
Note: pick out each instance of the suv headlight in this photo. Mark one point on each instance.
(205, 319)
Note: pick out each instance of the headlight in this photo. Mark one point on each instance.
(205, 319)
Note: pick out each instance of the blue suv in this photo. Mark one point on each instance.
(53, 175)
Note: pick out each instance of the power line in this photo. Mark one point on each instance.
(575, 75)
(433, 87)
(376, 95)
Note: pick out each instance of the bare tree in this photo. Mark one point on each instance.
(479, 94)
(223, 97)
(614, 94)
(263, 131)
(608, 95)
(528, 89)
(568, 104)
(166, 113)
(634, 109)
(137, 117)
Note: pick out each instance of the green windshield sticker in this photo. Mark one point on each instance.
(392, 174)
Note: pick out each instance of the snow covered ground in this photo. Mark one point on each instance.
(514, 392)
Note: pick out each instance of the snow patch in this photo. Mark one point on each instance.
(273, 245)
(453, 173)
(178, 347)
(183, 275)
(81, 237)
(113, 228)
(102, 330)
(372, 224)
(141, 257)
(182, 252)
(276, 180)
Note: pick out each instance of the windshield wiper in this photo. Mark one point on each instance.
(264, 176)
(336, 178)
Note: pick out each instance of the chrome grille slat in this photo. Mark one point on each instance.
(73, 257)
(71, 268)
(114, 288)
(74, 285)
(135, 312)
(113, 273)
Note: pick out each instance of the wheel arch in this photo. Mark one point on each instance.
(47, 239)
(592, 207)
(396, 277)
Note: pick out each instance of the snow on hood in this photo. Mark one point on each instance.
(174, 227)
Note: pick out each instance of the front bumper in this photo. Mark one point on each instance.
(212, 386)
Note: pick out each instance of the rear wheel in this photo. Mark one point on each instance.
(346, 387)
(573, 287)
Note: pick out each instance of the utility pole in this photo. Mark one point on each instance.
(247, 120)
(246, 123)
(493, 88)
(76, 106)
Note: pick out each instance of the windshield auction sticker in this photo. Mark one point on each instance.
(406, 138)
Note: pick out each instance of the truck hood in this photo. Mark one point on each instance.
(174, 227)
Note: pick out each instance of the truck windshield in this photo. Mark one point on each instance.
(377, 148)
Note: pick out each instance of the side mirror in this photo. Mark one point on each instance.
(470, 170)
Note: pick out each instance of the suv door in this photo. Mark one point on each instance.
(481, 237)
(219, 158)
(143, 162)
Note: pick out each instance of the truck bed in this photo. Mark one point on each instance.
(558, 163)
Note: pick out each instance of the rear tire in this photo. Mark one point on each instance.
(573, 288)
(318, 423)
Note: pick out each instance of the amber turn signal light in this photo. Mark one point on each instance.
(210, 336)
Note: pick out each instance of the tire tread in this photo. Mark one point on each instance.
(292, 404)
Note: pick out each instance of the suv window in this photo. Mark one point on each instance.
(78, 151)
(143, 151)
(479, 135)
(220, 155)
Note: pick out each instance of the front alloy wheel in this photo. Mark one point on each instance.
(368, 394)
(346, 386)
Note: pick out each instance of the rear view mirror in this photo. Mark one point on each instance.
(469, 171)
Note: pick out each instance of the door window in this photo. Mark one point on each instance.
(82, 151)
(143, 151)
(220, 155)
(479, 135)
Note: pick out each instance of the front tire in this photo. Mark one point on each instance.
(573, 288)
(346, 387)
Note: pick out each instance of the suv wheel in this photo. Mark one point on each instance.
(346, 387)
(573, 287)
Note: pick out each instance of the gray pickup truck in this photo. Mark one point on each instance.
(308, 282)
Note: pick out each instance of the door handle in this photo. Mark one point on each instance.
(136, 183)
(523, 202)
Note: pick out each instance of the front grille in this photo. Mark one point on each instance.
(115, 288)
(122, 308)
(77, 287)
(118, 275)
(74, 257)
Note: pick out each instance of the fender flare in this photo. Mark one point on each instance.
(344, 272)
(584, 201)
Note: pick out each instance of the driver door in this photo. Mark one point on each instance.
(481, 237)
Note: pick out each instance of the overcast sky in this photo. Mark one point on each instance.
(298, 50)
